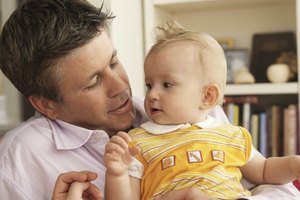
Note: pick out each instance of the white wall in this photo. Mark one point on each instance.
(241, 23)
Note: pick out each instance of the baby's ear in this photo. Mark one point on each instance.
(211, 94)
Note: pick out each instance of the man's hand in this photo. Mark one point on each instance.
(76, 186)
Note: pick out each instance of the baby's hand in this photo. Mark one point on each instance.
(118, 155)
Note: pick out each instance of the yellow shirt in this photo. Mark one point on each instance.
(206, 158)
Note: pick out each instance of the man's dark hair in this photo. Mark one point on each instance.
(38, 33)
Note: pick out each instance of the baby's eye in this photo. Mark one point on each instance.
(167, 85)
(148, 86)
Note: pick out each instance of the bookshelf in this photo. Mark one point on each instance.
(237, 21)
(262, 89)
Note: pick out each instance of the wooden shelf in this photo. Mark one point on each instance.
(262, 89)
(198, 5)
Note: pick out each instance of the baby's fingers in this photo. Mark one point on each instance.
(114, 148)
(121, 139)
(133, 150)
(124, 136)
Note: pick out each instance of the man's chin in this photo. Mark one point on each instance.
(113, 131)
(121, 125)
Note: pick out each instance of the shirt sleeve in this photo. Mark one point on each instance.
(219, 114)
(274, 192)
(136, 169)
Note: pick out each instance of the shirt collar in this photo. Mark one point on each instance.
(69, 136)
(157, 129)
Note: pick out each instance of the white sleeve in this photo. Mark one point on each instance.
(219, 113)
(136, 169)
(271, 192)
(275, 192)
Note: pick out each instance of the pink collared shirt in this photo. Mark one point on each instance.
(35, 153)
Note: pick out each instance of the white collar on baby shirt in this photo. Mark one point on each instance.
(158, 129)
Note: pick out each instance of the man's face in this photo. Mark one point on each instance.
(95, 88)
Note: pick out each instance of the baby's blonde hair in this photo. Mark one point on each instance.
(211, 55)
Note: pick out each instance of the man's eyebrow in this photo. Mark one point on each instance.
(114, 54)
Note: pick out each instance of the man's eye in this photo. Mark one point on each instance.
(167, 85)
(95, 82)
(148, 86)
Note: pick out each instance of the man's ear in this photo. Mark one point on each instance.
(44, 106)
(211, 95)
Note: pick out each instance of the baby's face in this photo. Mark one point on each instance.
(174, 84)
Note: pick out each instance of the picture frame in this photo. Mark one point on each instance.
(236, 59)
(266, 49)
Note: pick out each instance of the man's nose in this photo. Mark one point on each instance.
(116, 83)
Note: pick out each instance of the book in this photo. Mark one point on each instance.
(269, 131)
(254, 130)
(263, 134)
(232, 111)
(239, 109)
(229, 111)
(290, 135)
(246, 115)
(276, 130)
(236, 115)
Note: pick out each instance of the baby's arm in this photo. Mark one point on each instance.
(274, 170)
(117, 158)
(281, 170)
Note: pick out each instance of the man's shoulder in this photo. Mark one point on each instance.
(23, 136)
(24, 152)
